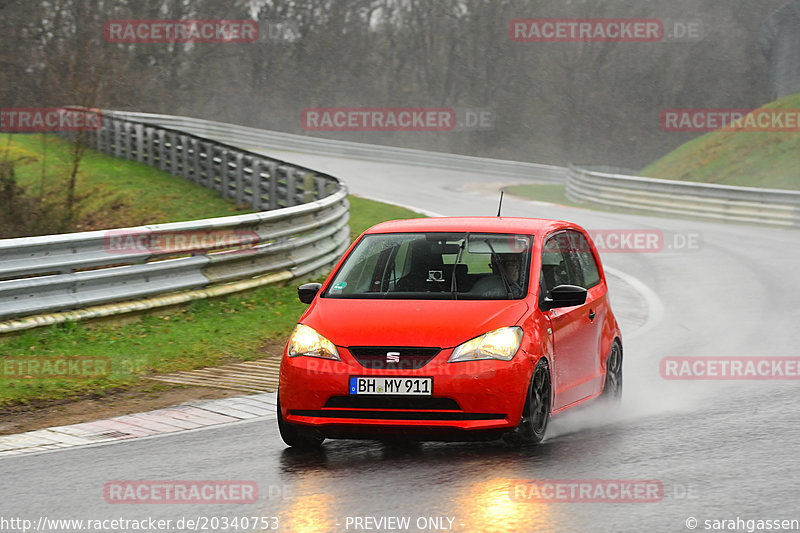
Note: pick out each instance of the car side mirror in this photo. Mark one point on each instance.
(565, 296)
(306, 293)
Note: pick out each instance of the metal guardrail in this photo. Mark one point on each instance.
(262, 139)
(300, 230)
(600, 185)
(703, 200)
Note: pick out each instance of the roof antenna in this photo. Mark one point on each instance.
(499, 207)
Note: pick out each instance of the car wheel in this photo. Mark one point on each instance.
(612, 389)
(536, 414)
(294, 437)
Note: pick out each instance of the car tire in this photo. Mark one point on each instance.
(612, 387)
(292, 436)
(536, 413)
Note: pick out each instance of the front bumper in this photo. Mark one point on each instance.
(476, 399)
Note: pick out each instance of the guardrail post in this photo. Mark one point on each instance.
(104, 145)
(322, 191)
(309, 187)
(206, 174)
(109, 144)
(239, 176)
(184, 171)
(126, 129)
(224, 177)
(139, 142)
(255, 186)
(148, 152)
(291, 188)
(273, 186)
(195, 166)
(117, 139)
(173, 155)
(162, 150)
(217, 170)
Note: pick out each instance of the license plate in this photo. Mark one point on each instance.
(391, 385)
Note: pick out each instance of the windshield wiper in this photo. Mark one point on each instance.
(453, 288)
(496, 258)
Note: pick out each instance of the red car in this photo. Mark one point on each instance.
(451, 329)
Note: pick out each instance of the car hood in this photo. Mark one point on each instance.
(437, 323)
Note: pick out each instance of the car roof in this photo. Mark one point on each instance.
(525, 226)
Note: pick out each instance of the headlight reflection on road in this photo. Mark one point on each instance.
(487, 506)
(310, 509)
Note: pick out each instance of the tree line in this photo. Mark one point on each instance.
(551, 102)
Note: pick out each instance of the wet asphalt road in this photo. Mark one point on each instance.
(718, 450)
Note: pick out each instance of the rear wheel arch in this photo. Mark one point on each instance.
(612, 381)
(618, 342)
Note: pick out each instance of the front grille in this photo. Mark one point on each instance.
(375, 357)
(394, 415)
(417, 403)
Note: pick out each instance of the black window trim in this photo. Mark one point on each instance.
(552, 234)
(594, 258)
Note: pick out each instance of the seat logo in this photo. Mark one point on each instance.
(393, 357)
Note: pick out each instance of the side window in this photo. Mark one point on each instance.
(584, 260)
(558, 268)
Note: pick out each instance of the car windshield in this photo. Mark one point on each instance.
(435, 266)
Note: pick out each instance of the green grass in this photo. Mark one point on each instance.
(752, 159)
(554, 194)
(113, 192)
(366, 213)
(203, 333)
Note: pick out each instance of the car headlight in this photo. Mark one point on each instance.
(306, 341)
(500, 344)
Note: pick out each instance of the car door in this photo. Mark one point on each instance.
(573, 328)
(597, 303)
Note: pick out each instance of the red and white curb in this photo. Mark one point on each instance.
(172, 419)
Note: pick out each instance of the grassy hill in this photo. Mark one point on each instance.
(752, 159)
